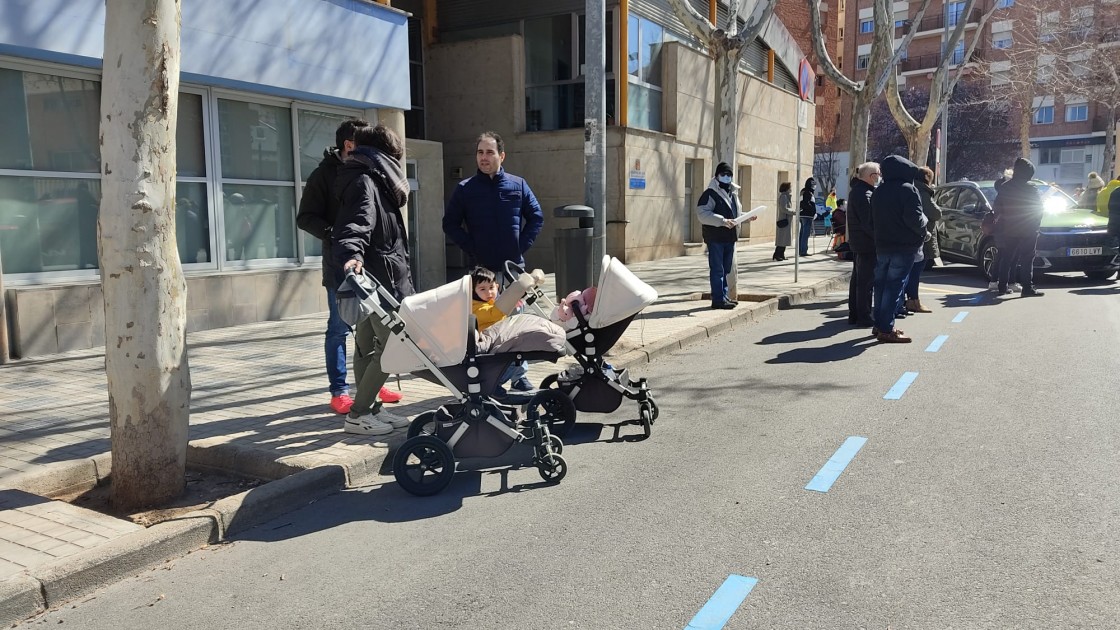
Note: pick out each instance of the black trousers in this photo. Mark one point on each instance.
(1017, 252)
(861, 288)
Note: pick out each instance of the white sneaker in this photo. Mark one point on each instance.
(368, 424)
(993, 285)
(1016, 287)
(392, 419)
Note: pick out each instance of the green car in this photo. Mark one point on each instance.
(1070, 239)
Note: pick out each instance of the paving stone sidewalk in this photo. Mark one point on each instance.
(262, 386)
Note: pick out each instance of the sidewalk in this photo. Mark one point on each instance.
(259, 405)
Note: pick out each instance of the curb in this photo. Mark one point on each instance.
(296, 482)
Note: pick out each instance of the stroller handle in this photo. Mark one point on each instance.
(363, 294)
(513, 270)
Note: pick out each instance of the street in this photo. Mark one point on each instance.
(984, 496)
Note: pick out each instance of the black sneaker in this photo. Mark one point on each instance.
(522, 385)
(1031, 292)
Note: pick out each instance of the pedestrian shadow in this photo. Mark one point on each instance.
(840, 351)
(820, 306)
(981, 298)
(828, 329)
(1113, 290)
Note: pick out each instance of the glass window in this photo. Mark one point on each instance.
(1049, 156)
(316, 135)
(259, 221)
(956, 11)
(1002, 41)
(644, 107)
(862, 61)
(652, 36)
(958, 54)
(37, 109)
(192, 223)
(867, 26)
(969, 201)
(1077, 113)
(1044, 115)
(48, 224)
(255, 141)
(554, 107)
(947, 197)
(190, 152)
(632, 52)
(548, 49)
(1004, 4)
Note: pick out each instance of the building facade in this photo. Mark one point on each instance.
(517, 68)
(261, 95)
(1066, 131)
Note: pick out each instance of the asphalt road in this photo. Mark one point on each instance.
(984, 497)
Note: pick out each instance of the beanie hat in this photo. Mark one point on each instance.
(723, 169)
(1095, 181)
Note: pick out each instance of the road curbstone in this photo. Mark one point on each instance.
(58, 478)
(216, 455)
(242, 511)
(21, 596)
(87, 571)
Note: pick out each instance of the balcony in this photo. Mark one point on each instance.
(935, 23)
(930, 62)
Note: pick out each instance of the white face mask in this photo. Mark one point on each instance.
(724, 179)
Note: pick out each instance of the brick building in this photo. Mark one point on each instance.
(1067, 132)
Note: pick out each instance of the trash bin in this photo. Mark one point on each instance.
(573, 250)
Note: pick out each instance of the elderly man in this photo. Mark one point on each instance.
(900, 231)
(861, 239)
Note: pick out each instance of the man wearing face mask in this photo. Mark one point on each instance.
(717, 209)
(861, 238)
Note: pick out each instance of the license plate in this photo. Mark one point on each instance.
(1085, 251)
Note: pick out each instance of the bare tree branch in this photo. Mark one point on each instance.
(827, 65)
(697, 24)
(884, 22)
(757, 21)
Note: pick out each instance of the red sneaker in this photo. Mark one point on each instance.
(389, 396)
(341, 404)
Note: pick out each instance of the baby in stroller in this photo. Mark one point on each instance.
(593, 385)
(433, 336)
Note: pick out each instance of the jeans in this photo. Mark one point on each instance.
(890, 280)
(1017, 252)
(804, 234)
(861, 289)
(335, 347)
(516, 371)
(720, 259)
(914, 278)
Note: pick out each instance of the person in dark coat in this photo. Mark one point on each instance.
(1114, 217)
(930, 250)
(1018, 209)
(369, 235)
(493, 216)
(861, 240)
(900, 232)
(783, 235)
(716, 209)
(808, 212)
(318, 209)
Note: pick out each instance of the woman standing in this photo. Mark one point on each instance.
(930, 250)
(783, 237)
(807, 214)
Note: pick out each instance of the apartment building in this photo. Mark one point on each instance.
(1067, 132)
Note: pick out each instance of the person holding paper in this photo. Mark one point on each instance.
(717, 210)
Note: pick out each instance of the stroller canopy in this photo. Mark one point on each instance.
(437, 321)
(619, 294)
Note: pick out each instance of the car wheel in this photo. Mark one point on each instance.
(1099, 275)
(987, 259)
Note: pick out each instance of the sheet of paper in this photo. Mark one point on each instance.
(746, 216)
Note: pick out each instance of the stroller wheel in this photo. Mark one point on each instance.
(553, 468)
(549, 382)
(654, 411)
(555, 409)
(424, 465)
(556, 443)
(646, 416)
(423, 424)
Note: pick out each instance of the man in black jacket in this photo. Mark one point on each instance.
(369, 234)
(900, 231)
(716, 209)
(318, 209)
(1018, 209)
(861, 239)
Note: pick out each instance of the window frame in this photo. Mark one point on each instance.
(869, 23)
(1077, 106)
(863, 61)
(1037, 119)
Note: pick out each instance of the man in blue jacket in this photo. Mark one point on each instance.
(493, 216)
(900, 231)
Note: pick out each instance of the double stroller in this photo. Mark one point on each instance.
(593, 385)
(432, 336)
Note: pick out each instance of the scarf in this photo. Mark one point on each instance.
(386, 173)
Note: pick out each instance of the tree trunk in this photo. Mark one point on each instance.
(727, 131)
(918, 144)
(142, 280)
(1110, 145)
(1025, 132)
(861, 120)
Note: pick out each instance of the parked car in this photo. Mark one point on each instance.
(1070, 239)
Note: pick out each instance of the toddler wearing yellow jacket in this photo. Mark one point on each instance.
(486, 315)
